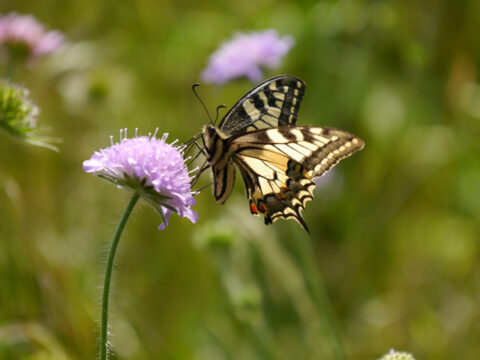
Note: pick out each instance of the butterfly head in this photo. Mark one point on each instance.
(209, 131)
(214, 139)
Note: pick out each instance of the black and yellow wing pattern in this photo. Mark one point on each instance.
(273, 103)
(278, 160)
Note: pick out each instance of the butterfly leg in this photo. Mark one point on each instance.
(203, 187)
(204, 167)
(193, 138)
(190, 144)
(201, 150)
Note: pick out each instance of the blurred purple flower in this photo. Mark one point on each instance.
(245, 54)
(150, 166)
(25, 32)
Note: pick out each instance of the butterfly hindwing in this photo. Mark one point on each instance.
(278, 166)
(273, 103)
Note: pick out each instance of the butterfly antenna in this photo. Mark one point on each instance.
(218, 108)
(201, 101)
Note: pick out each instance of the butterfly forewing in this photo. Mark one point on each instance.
(278, 166)
(273, 103)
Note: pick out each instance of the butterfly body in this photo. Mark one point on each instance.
(277, 160)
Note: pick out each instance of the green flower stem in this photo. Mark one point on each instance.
(10, 68)
(108, 275)
(319, 294)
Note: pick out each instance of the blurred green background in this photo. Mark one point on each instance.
(392, 261)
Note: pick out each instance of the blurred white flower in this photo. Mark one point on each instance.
(397, 355)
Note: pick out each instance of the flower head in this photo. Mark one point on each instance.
(24, 36)
(18, 116)
(151, 167)
(397, 355)
(245, 54)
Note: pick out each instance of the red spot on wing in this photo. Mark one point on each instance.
(253, 208)
(262, 208)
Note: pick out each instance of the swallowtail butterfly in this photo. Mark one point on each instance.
(277, 159)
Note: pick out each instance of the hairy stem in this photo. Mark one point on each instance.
(108, 275)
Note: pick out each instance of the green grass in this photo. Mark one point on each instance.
(393, 257)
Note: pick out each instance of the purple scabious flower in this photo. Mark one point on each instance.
(151, 167)
(25, 35)
(245, 54)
